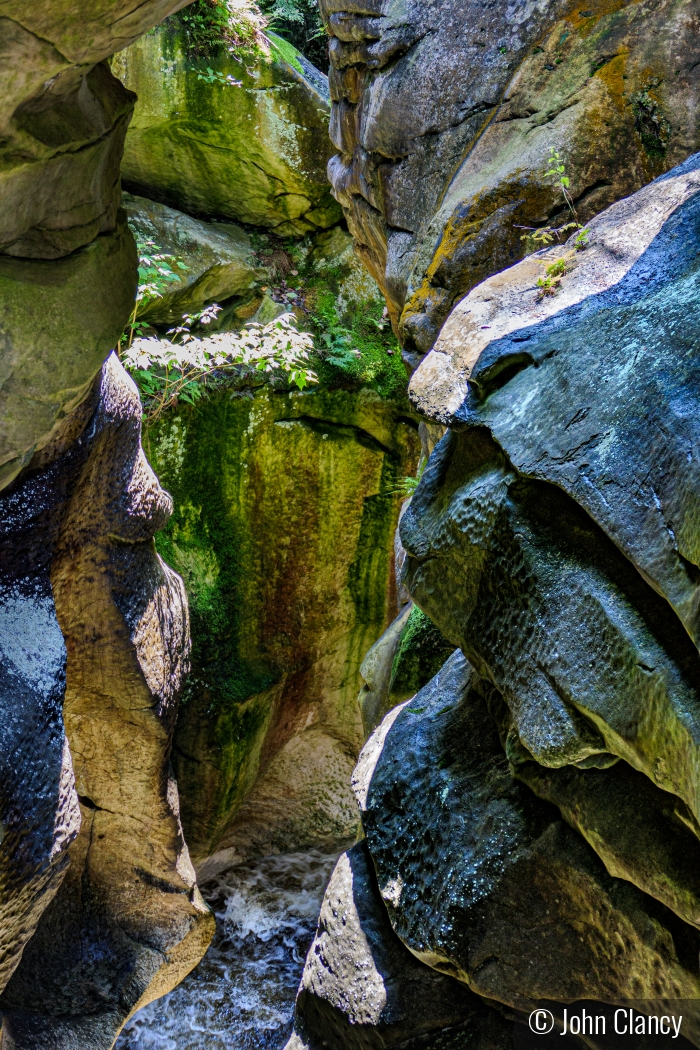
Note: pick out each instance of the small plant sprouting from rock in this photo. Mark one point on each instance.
(157, 270)
(549, 284)
(542, 236)
(168, 372)
(407, 486)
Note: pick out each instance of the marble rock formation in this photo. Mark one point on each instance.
(251, 149)
(91, 617)
(443, 116)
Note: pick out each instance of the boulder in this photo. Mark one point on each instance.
(443, 116)
(283, 530)
(485, 882)
(58, 321)
(218, 259)
(578, 516)
(361, 989)
(63, 118)
(128, 921)
(252, 149)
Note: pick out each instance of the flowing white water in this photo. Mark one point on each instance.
(241, 996)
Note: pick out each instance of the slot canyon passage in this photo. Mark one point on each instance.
(349, 521)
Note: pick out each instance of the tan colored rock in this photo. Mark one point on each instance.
(58, 321)
(283, 531)
(128, 922)
(63, 118)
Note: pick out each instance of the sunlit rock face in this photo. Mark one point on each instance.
(252, 148)
(103, 626)
(443, 115)
(283, 532)
(63, 118)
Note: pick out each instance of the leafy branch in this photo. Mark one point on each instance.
(168, 372)
(157, 270)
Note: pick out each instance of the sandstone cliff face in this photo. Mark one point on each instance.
(110, 628)
(532, 813)
(253, 149)
(283, 532)
(443, 115)
(100, 910)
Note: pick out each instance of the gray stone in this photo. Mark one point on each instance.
(581, 597)
(443, 115)
(361, 989)
(484, 881)
(218, 258)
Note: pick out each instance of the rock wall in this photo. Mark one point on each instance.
(444, 114)
(283, 532)
(532, 813)
(100, 910)
(252, 148)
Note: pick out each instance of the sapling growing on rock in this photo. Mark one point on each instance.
(542, 236)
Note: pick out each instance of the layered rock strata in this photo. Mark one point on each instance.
(443, 116)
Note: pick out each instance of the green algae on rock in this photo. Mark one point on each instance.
(283, 531)
(58, 321)
(255, 153)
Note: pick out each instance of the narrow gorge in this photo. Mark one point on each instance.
(350, 523)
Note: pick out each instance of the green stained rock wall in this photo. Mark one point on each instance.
(256, 152)
(283, 531)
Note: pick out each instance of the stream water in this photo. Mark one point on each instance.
(241, 996)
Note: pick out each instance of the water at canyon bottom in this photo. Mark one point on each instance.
(241, 996)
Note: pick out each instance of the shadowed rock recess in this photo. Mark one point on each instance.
(532, 814)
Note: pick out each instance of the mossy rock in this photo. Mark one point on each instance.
(59, 319)
(253, 148)
(283, 531)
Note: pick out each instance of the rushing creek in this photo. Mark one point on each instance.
(241, 996)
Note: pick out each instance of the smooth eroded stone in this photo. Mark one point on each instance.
(63, 118)
(486, 882)
(128, 922)
(58, 321)
(362, 989)
(254, 150)
(217, 258)
(641, 834)
(589, 658)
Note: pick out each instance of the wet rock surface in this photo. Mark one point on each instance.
(362, 989)
(486, 882)
(443, 116)
(128, 921)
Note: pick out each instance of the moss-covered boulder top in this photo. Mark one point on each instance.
(238, 136)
